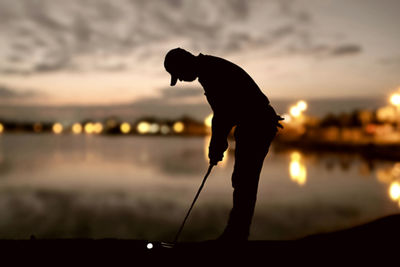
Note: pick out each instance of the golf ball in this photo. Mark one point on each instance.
(149, 245)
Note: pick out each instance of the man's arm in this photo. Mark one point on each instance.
(220, 127)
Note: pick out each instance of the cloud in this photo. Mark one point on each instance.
(44, 36)
(393, 61)
(57, 35)
(346, 49)
(11, 94)
(324, 50)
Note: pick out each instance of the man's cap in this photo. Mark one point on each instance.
(173, 60)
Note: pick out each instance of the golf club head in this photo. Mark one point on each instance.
(167, 245)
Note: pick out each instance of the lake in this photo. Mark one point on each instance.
(66, 186)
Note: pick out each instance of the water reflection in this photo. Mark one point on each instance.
(140, 187)
(394, 191)
(391, 176)
(297, 169)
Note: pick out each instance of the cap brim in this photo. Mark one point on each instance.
(173, 80)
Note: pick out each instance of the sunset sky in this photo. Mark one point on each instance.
(55, 52)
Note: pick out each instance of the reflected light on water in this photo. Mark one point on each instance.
(394, 191)
(70, 180)
(297, 169)
(391, 176)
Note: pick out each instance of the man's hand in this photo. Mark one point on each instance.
(213, 163)
(216, 152)
(214, 160)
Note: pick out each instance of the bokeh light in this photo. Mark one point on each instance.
(57, 128)
(89, 128)
(77, 128)
(164, 129)
(302, 105)
(178, 127)
(295, 111)
(125, 127)
(143, 127)
(37, 127)
(395, 99)
(154, 128)
(97, 128)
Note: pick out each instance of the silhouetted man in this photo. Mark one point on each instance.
(236, 100)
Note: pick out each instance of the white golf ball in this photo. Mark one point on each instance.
(149, 245)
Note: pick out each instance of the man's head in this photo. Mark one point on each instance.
(181, 65)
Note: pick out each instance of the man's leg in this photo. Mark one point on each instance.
(249, 158)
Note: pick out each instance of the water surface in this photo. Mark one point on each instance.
(141, 187)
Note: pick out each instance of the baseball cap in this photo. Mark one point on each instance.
(173, 61)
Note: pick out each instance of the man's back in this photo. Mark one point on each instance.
(229, 89)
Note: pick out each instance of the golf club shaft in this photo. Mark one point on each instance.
(194, 201)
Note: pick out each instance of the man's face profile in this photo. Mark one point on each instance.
(181, 66)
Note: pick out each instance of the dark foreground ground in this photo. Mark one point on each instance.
(375, 243)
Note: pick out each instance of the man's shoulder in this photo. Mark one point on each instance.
(214, 64)
(214, 59)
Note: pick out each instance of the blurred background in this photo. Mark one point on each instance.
(95, 144)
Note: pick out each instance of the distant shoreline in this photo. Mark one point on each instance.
(318, 107)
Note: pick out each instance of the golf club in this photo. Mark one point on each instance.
(171, 245)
